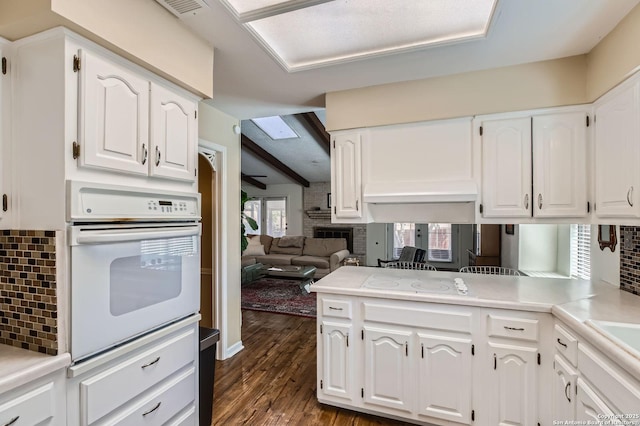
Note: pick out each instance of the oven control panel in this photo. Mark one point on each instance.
(107, 203)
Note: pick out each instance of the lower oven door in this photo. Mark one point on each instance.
(128, 280)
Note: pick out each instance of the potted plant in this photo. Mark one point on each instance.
(244, 242)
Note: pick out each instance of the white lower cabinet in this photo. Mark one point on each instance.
(40, 402)
(564, 390)
(513, 386)
(149, 384)
(446, 361)
(337, 358)
(589, 405)
(387, 368)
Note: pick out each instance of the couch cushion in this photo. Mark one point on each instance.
(276, 259)
(254, 250)
(318, 262)
(276, 249)
(247, 260)
(288, 241)
(323, 247)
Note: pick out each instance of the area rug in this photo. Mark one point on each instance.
(279, 296)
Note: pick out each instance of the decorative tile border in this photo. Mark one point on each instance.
(28, 299)
(630, 261)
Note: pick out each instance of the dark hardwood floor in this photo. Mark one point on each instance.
(273, 380)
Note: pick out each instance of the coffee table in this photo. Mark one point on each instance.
(304, 274)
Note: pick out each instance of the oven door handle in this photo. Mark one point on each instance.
(116, 236)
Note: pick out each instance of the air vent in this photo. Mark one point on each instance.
(184, 8)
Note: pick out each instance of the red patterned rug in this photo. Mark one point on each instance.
(279, 296)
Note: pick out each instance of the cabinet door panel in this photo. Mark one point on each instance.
(113, 116)
(589, 406)
(515, 385)
(337, 360)
(617, 176)
(387, 368)
(506, 168)
(346, 176)
(445, 379)
(560, 165)
(564, 390)
(173, 134)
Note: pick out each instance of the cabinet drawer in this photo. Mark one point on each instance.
(161, 405)
(29, 408)
(566, 344)
(622, 390)
(106, 391)
(339, 308)
(450, 319)
(513, 328)
(187, 418)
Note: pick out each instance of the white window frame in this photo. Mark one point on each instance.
(580, 260)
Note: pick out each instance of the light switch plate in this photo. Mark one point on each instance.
(627, 239)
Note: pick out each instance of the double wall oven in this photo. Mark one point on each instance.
(135, 263)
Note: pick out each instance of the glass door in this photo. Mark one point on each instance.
(270, 213)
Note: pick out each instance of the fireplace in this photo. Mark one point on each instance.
(334, 232)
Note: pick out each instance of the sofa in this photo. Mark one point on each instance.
(326, 254)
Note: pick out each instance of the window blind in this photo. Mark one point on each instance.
(581, 251)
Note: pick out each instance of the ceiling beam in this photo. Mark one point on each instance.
(318, 131)
(252, 181)
(263, 155)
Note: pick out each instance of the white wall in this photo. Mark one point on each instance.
(605, 265)
(293, 193)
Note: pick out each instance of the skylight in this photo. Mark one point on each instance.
(304, 34)
(275, 127)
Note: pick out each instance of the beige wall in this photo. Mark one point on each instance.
(217, 127)
(615, 57)
(140, 30)
(573, 80)
(528, 86)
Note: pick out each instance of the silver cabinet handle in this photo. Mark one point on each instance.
(513, 328)
(526, 201)
(335, 309)
(145, 154)
(562, 343)
(152, 410)
(155, 361)
(629, 196)
(540, 201)
(357, 208)
(157, 156)
(566, 393)
(12, 421)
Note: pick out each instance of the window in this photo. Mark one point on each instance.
(437, 240)
(581, 251)
(270, 213)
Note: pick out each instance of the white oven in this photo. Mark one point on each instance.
(135, 264)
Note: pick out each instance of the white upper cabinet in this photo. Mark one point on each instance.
(617, 152)
(113, 116)
(535, 166)
(346, 181)
(173, 134)
(506, 168)
(560, 165)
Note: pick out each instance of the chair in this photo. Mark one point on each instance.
(489, 270)
(408, 254)
(410, 265)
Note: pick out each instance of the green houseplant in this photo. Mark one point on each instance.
(244, 219)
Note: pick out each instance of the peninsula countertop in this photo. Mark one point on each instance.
(574, 302)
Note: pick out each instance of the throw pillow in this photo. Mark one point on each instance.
(291, 242)
(254, 250)
(254, 240)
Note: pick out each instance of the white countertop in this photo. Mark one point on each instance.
(20, 366)
(571, 301)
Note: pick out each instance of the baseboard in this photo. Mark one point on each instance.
(233, 350)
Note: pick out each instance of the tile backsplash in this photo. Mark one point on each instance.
(630, 259)
(28, 299)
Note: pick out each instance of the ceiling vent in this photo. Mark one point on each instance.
(184, 8)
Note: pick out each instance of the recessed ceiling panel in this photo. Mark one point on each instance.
(345, 30)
